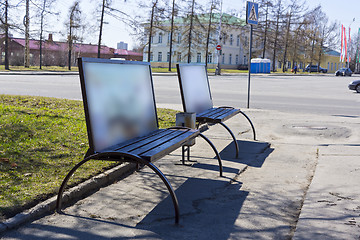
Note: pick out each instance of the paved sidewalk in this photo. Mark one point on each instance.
(300, 180)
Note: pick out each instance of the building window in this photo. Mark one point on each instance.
(224, 38)
(335, 67)
(160, 38)
(289, 65)
(230, 58)
(210, 58)
(231, 39)
(179, 38)
(332, 65)
(169, 36)
(151, 57)
(198, 58)
(223, 58)
(238, 40)
(152, 39)
(236, 59)
(179, 57)
(245, 60)
(160, 57)
(168, 57)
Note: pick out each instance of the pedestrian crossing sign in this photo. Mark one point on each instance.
(252, 13)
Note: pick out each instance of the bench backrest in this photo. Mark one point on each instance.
(119, 100)
(194, 87)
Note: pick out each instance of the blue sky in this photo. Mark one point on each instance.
(343, 11)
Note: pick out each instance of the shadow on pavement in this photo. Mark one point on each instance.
(251, 153)
(208, 208)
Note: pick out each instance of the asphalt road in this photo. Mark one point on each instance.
(321, 94)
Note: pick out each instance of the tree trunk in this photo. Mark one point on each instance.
(6, 36)
(27, 49)
(151, 28)
(101, 28)
(265, 31)
(171, 33)
(190, 30)
(70, 45)
(41, 34)
(286, 41)
(208, 35)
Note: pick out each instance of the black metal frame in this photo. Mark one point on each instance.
(120, 157)
(114, 154)
(178, 66)
(84, 96)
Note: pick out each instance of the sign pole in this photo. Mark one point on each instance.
(249, 64)
(252, 16)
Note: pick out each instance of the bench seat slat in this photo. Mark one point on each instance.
(223, 112)
(220, 116)
(170, 145)
(148, 145)
(208, 111)
(213, 112)
(228, 115)
(133, 141)
(131, 146)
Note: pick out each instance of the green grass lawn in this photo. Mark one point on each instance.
(41, 139)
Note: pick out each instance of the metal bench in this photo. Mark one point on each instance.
(121, 119)
(196, 97)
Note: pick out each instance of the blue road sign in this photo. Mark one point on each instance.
(252, 13)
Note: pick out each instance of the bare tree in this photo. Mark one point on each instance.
(74, 23)
(27, 26)
(277, 14)
(5, 26)
(209, 30)
(43, 10)
(265, 7)
(173, 12)
(294, 16)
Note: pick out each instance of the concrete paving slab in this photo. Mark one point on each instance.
(261, 195)
(332, 206)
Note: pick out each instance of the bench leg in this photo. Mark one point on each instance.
(121, 157)
(170, 189)
(66, 179)
(233, 136)
(252, 126)
(216, 152)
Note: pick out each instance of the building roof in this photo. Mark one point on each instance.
(63, 46)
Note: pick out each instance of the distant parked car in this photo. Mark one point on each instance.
(355, 85)
(344, 72)
(315, 68)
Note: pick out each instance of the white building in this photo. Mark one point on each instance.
(233, 40)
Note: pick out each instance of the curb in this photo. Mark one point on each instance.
(37, 73)
(73, 194)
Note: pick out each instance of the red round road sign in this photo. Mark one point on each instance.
(218, 47)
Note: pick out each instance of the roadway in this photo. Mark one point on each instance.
(320, 94)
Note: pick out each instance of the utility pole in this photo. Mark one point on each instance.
(27, 48)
